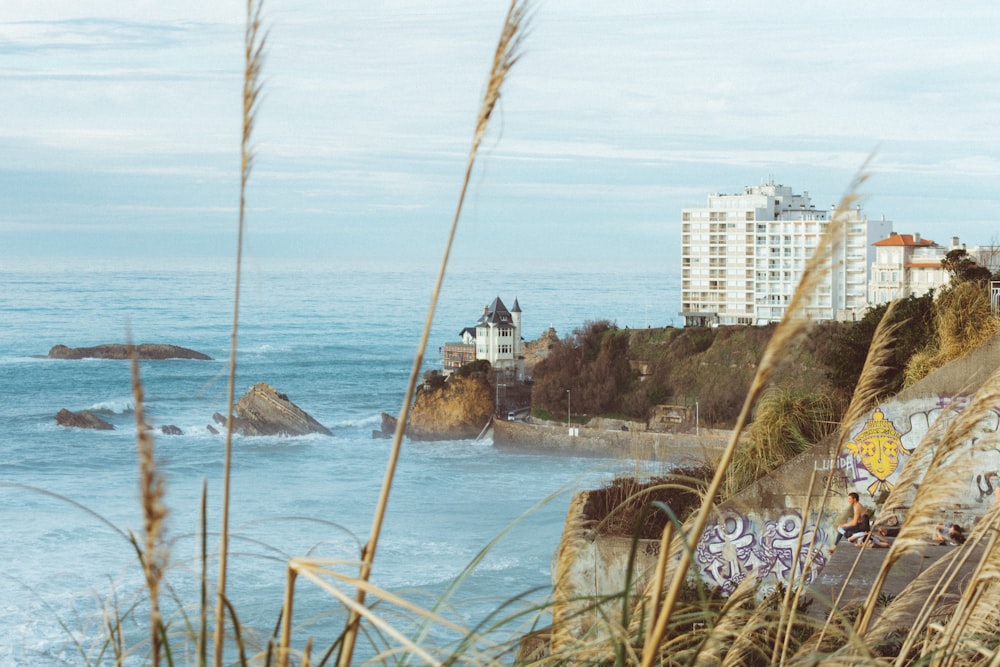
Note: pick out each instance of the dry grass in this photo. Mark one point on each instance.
(786, 424)
(253, 44)
(792, 325)
(506, 55)
(630, 507)
(965, 320)
(677, 623)
(153, 552)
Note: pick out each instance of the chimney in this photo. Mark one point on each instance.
(916, 238)
(954, 241)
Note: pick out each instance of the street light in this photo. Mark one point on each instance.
(569, 410)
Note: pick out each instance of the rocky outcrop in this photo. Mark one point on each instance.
(121, 351)
(265, 411)
(82, 419)
(388, 427)
(170, 429)
(536, 350)
(459, 409)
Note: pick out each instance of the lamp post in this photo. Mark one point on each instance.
(569, 409)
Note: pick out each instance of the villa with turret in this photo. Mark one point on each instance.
(496, 337)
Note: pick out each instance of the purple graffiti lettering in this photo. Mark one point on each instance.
(737, 547)
(850, 471)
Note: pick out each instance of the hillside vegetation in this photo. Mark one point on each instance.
(625, 372)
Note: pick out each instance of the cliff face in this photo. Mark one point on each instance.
(459, 409)
(536, 350)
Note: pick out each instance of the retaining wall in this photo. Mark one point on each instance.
(676, 448)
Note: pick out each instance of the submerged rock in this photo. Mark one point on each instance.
(122, 351)
(82, 419)
(265, 411)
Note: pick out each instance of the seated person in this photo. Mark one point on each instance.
(869, 539)
(858, 521)
(948, 533)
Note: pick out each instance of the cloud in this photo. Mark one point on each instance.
(616, 116)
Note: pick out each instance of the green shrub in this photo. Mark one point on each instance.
(477, 366)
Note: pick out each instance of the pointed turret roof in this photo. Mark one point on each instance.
(496, 314)
(517, 306)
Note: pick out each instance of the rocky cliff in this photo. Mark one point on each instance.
(459, 408)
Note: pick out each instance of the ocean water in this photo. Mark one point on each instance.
(340, 342)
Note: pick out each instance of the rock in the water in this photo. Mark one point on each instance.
(458, 410)
(211, 429)
(264, 411)
(388, 428)
(170, 429)
(121, 351)
(82, 419)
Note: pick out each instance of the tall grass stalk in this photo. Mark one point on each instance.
(965, 614)
(974, 616)
(202, 647)
(253, 46)
(507, 53)
(869, 388)
(953, 449)
(153, 553)
(786, 607)
(791, 326)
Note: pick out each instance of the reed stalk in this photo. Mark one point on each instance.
(786, 608)
(791, 326)
(253, 47)
(203, 590)
(953, 446)
(870, 386)
(151, 490)
(507, 53)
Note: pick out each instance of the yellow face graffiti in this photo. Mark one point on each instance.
(878, 445)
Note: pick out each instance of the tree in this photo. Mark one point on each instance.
(593, 364)
(962, 267)
(849, 346)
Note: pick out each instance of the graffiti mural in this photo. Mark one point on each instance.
(877, 446)
(738, 547)
(744, 543)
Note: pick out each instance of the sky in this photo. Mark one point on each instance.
(120, 122)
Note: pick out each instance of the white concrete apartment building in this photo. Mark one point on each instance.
(743, 254)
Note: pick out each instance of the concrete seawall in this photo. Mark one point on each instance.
(675, 448)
